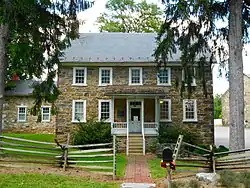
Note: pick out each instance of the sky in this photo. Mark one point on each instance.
(89, 16)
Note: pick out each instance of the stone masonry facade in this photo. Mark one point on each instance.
(225, 103)
(31, 125)
(92, 93)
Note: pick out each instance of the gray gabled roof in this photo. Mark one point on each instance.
(22, 88)
(113, 47)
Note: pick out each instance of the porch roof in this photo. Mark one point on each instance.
(134, 90)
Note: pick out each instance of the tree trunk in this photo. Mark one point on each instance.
(236, 82)
(3, 65)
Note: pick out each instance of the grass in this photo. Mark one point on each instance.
(158, 172)
(49, 181)
(37, 137)
(121, 165)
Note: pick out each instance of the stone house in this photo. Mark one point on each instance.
(112, 77)
(225, 103)
(16, 117)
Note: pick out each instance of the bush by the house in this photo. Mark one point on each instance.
(170, 133)
(92, 133)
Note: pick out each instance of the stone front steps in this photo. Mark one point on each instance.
(135, 144)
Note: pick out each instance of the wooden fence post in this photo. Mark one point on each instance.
(66, 148)
(212, 159)
(114, 157)
(169, 177)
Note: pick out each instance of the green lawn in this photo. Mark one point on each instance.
(121, 165)
(37, 137)
(158, 172)
(50, 181)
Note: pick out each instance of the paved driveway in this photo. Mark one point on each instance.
(222, 136)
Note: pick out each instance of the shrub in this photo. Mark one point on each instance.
(170, 133)
(229, 178)
(92, 133)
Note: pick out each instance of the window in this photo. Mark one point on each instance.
(189, 110)
(135, 76)
(79, 111)
(22, 114)
(165, 110)
(105, 76)
(194, 79)
(164, 77)
(80, 76)
(104, 110)
(45, 113)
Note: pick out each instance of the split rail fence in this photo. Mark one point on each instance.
(198, 159)
(18, 152)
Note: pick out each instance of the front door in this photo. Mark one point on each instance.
(135, 117)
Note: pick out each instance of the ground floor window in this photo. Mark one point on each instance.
(45, 113)
(104, 110)
(22, 114)
(79, 111)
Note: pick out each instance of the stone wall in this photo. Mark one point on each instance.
(10, 113)
(225, 103)
(92, 93)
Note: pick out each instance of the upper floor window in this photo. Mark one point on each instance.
(189, 110)
(104, 110)
(135, 76)
(193, 78)
(105, 76)
(80, 76)
(164, 76)
(79, 111)
(45, 113)
(165, 110)
(22, 114)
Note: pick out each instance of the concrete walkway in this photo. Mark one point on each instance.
(137, 170)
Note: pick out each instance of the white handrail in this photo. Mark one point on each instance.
(144, 147)
(127, 140)
(143, 139)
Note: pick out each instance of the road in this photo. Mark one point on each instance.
(222, 136)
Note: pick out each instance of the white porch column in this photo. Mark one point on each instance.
(143, 130)
(112, 110)
(142, 115)
(127, 108)
(157, 110)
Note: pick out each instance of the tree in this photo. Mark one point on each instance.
(192, 27)
(128, 16)
(32, 37)
(217, 107)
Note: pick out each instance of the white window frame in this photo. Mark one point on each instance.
(49, 107)
(18, 107)
(100, 76)
(169, 77)
(193, 80)
(195, 111)
(74, 76)
(99, 110)
(169, 111)
(73, 111)
(130, 75)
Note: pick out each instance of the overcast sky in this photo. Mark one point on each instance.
(89, 16)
